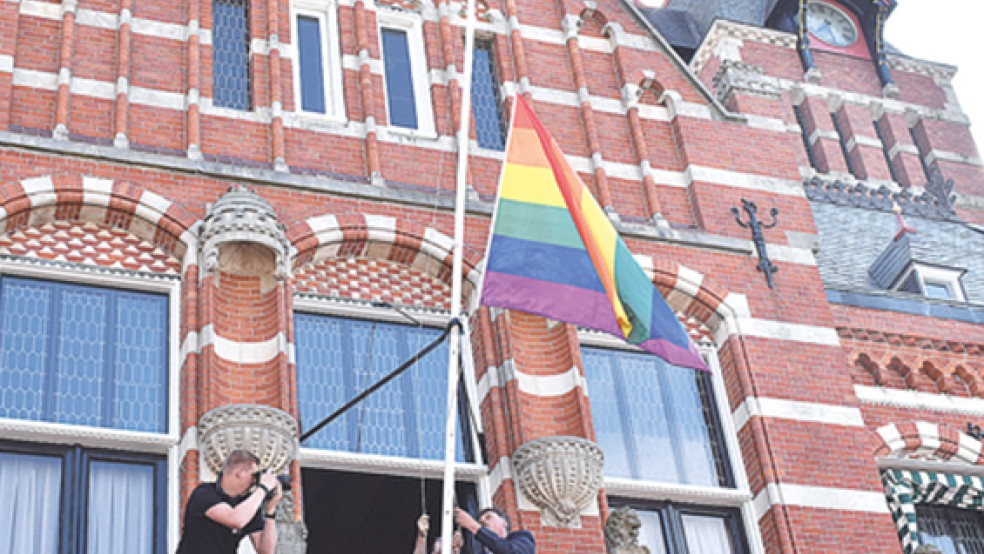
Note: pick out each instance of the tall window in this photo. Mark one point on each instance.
(486, 97)
(337, 358)
(654, 421)
(83, 355)
(405, 72)
(317, 67)
(73, 499)
(230, 50)
(659, 428)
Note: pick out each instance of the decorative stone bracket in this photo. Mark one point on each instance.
(559, 475)
(269, 433)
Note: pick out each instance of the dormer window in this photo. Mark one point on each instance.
(932, 282)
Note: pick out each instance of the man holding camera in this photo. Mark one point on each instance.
(243, 501)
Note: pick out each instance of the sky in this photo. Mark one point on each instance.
(944, 31)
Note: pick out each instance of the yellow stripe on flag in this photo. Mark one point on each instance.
(533, 185)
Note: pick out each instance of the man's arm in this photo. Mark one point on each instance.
(237, 518)
(265, 541)
(520, 542)
(423, 526)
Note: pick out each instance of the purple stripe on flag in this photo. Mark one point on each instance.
(674, 354)
(576, 305)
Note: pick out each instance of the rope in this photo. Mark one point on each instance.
(379, 384)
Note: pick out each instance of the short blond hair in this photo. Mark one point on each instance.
(238, 458)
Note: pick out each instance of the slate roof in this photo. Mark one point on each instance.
(852, 238)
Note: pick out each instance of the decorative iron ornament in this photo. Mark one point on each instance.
(936, 202)
(765, 265)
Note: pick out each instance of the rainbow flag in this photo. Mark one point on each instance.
(554, 252)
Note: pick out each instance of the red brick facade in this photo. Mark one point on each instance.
(112, 154)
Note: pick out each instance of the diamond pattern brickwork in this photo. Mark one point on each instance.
(373, 280)
(88, 244)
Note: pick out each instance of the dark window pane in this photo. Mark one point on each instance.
(651, 419)
(337, 358)
(312, 65)
(83, 355)
(486, 103)
(230, 48)
(399, 79)
(952, 530)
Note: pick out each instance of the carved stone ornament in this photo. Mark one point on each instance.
(622, 532)
(291, 535)
(242, 220)
(267, 432)
(560, 475)
(736, 77)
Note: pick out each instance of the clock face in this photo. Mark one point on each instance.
(830, 24)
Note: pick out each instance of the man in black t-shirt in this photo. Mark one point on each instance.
(218, 515)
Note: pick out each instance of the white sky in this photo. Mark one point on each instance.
(944, 31)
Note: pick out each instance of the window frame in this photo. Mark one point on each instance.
(934, 275)
(412, 25)
(76, 460)
(130, 442)
(739, 497)
(671, 521)
(326, 13)
(318, 458)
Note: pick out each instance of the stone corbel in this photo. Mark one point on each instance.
(561, 476)
(267, 432)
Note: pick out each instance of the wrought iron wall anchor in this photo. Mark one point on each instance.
(765, 265)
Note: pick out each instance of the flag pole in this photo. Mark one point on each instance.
(461, 186)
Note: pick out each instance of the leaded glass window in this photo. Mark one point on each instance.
(486, 97)
(952, 530)
(399, 78)
(337, 358)
(655, 421)
(230, 50)
(83, 355)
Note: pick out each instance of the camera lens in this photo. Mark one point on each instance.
(284, 481)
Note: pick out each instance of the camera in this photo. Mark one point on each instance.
(283, 478)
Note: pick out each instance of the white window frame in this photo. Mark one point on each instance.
(412, 25)
(326, 13)
(941, 276)
(167, 443)
(739, 497)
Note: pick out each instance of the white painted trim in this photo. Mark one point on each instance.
(6, 63)
(326, 13)
(915, 400)
(777, 330)
(820, 498)
(316, 458)
(243, 352)
(796, 410)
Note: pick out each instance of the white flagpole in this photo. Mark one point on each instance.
(461, 185)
